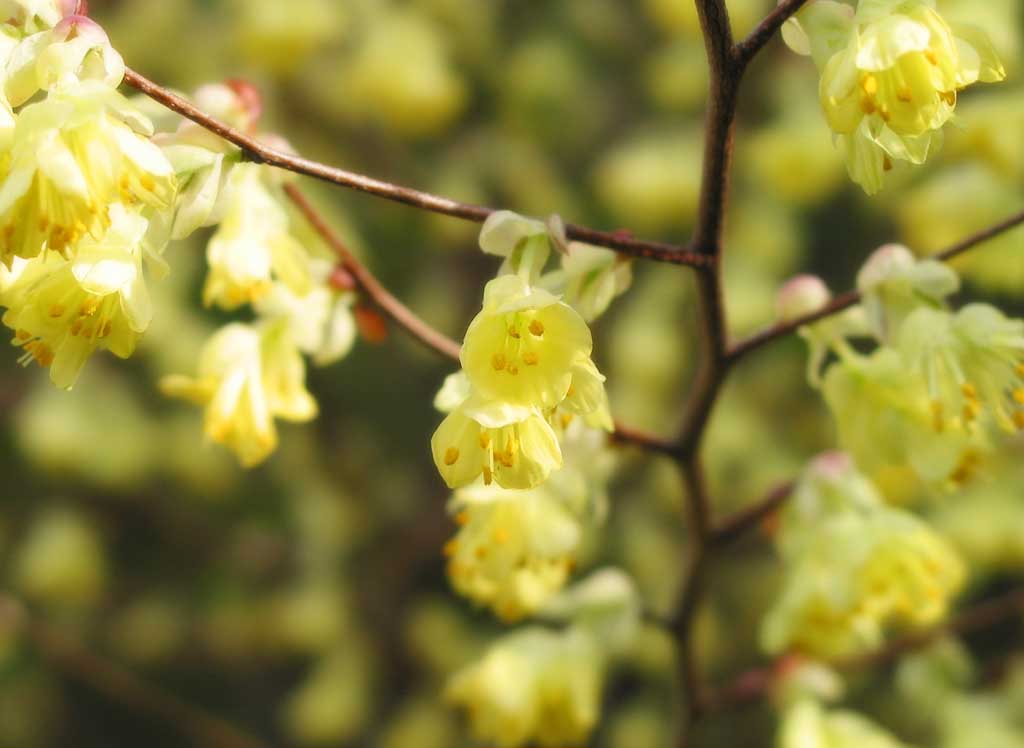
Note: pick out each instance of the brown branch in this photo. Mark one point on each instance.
(254, 150)
(384, 299)
(848, 299)
(753, 684)
(122, 686)
(739, 524)
(756, 39)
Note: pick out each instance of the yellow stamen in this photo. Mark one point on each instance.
(870, 85)
(451, 456)
(498, 361)
(537, 328)
(530, 358)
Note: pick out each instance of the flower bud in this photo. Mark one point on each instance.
(800, 296)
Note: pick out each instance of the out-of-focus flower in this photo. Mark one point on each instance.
(61, 561)
(247, 376)
(320, 322)
(534, 685)
(252, 245)
(894, 283)
(855, 566)
(807, 725)
(514, 549)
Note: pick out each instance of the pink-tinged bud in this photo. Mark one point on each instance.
(885, 262)
(341, 280)
(249, 98)
(78, 26)
(372, 325)
(74, 8)
(802, 295)
(831, 465)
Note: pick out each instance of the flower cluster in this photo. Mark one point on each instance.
(526, 365)
(81, 184)
(890, 71)
(523, 443)
(541, 685)
(941, 383)
(855, 566)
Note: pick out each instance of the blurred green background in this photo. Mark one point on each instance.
(306, 600)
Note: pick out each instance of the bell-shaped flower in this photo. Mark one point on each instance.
(972, 361)
(888, 423)
(514, 549)
(64, 310)
(76, 49)
(511, 445)
(894, 283)
(525, 243)
(74, 154)
(247, 376)
(807, 725)
(32, 16)
(590, 278)
(889, 89)
(253, 245)
(534, 686)
(855, 566)
(320, 322)
(522, 347)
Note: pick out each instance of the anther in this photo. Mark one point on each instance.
(451, 456)
(56, 311)
(530, 358)
(870, 85)
(537, 328)
(498, 361)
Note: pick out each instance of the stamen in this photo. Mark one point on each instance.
(969, 391)
(530, 358)
(498, 361)
(870, 85)
(537, 328)
(451, 456)
(488, 476)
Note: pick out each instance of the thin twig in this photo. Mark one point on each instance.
(388, 303)
(753, 684)
(739, 524)
(122, 686)
(756, 39)
(848, 299)
(254, 150)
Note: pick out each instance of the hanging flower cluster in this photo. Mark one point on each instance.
(891, 71)
(855, 566)
(80, 183)
(524, 444)
(526, 366)
(939, 386)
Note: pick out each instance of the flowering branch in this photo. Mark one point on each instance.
(368, 283)
(122, 686)
(753, 684)
(256, 151)
(848, 299)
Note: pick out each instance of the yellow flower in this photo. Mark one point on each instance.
(514, 549)
(64, 310)
(74, 154)
(890, 74)
(513, 446)
(253, 245)
(521, 348)
(807, 725)
(247, 376)
(533, 686)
